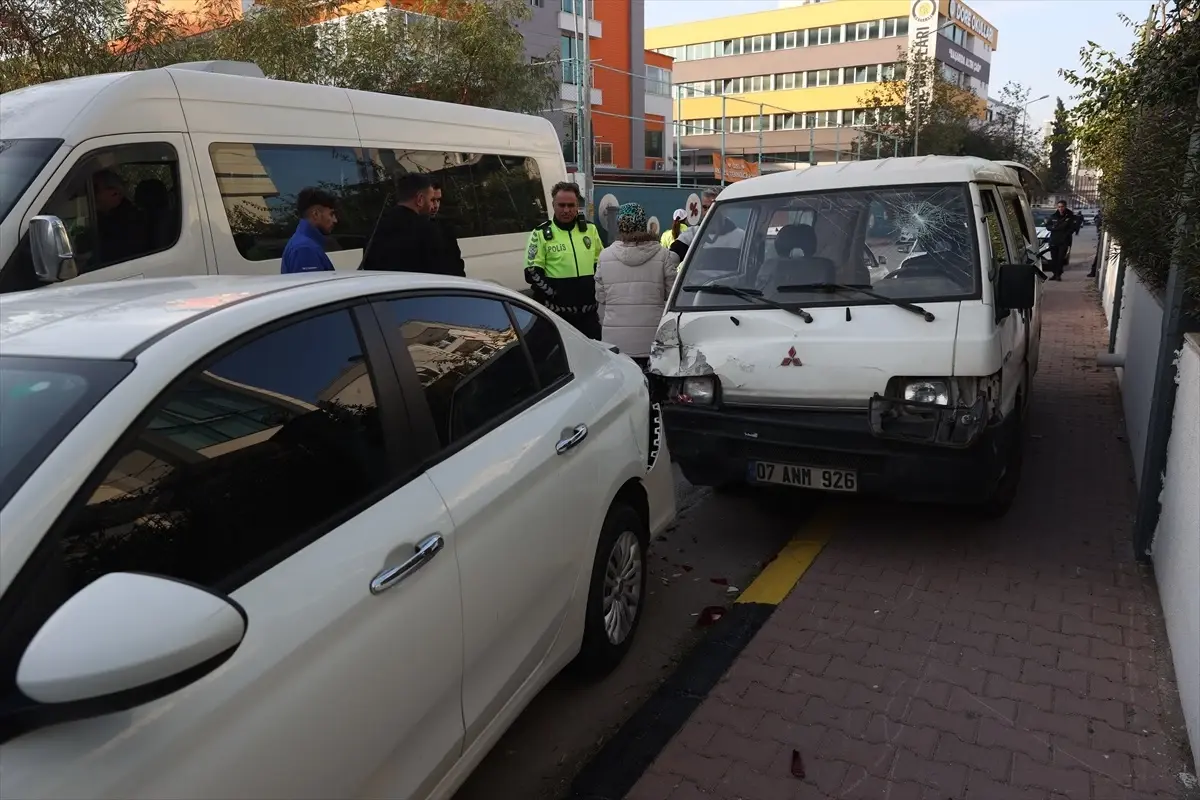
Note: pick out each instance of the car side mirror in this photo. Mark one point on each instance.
(882, 260)
(1016, 287)
(50, 244)
(122, 641)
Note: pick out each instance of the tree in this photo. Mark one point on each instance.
(916, 105)
(1134, 119)
(459, 51)
(1060, 150)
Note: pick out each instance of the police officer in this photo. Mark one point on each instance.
(560, 261)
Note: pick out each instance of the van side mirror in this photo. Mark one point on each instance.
(50, 245)
(1016, 287)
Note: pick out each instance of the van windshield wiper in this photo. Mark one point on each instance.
(750, 296)
(846, 287)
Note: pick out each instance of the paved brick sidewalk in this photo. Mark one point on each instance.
(927, 655)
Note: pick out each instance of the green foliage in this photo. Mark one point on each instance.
(1060, 150)
(458, 51)
(1136, 117)
(946, 120)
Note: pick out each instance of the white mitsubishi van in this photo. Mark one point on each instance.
(869, 327)
(195, 169)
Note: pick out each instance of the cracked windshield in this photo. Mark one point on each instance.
(911, 243)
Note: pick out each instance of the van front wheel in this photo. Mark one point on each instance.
(1004, 492)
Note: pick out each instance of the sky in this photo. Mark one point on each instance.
(1036, 37)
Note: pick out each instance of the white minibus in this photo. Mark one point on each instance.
(195, 169)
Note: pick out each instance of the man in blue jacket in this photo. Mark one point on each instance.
(305, 251)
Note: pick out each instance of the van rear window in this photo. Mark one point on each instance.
(20, 162)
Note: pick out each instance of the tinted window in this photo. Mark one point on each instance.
(20, 162)
(239, 463)
(41, 400)
(259, 184)
(468, 359)
(120, 203)
(483, 194)
(545, 345)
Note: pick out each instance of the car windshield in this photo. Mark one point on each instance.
(20, 162)
(908, 243)
(41, 400)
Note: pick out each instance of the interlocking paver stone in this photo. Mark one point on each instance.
(927, 654)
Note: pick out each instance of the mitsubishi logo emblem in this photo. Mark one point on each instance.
(790, 360)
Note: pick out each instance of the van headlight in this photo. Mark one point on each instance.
(933, 392)
(697, 390)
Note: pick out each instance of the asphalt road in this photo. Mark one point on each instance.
(717, 545)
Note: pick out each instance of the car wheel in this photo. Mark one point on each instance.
(616, 594)
(1000, 499)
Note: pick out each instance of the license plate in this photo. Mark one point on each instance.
(822, 478)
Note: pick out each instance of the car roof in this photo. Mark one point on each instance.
(879, 172)
(122, 317)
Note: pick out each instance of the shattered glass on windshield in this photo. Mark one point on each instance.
(909, 243)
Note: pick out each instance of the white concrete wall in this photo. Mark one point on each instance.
(1176, 550)
(1138, 333)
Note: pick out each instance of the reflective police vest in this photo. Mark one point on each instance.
(560, 265)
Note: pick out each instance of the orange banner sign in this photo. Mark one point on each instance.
(736, 169)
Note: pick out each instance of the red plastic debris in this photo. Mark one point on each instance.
(797, 765)
(710, 615)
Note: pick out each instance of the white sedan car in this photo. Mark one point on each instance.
(304, 536)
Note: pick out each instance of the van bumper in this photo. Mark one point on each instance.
(717, 447)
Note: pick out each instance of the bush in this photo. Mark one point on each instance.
(1136, 120)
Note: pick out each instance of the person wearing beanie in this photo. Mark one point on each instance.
(677, 227)
(634, 277)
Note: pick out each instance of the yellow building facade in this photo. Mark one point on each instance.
(792, 80)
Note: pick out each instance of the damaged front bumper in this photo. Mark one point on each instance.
(921, 423)
(943, 459)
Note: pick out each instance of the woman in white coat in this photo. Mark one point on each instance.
(633, 279)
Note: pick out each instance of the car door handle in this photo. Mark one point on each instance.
(426, 549)
(577, 436)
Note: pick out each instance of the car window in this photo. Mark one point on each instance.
(238, 464)
(120, 203)
(545, 346)
(483, 194)
(468, 360)
(991, 216)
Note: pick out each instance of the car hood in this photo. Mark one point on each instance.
(765, 356)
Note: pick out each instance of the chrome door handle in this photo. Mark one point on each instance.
(577, 436)
(426, 549)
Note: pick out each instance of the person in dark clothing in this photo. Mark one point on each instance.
(1062, 225)
(121, 228)
(407, 240)
(1099, 238)
(454, 260)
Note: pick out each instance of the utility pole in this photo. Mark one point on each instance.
(586, 90)
(678, 134)
(760, 137)
(724, 125)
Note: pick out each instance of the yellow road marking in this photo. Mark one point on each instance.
(782, 574)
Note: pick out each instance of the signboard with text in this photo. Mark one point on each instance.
(922, 24)
(736, 169)
(963, 15)
(963, 60)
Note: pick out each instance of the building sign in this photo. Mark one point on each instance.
(963, 60)
(922, 24)
(736, 169)
(973, 22)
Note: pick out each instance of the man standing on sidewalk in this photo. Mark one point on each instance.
(454, 260)
(1062, 226)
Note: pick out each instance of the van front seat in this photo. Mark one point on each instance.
(162, 218)
(788, 269)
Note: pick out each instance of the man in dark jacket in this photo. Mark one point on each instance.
(1062, 226)
(121, 229)
(454, 260)
(407, 240)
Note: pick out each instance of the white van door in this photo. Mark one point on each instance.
(130, 205)
(1012, 327)
(1021, 231)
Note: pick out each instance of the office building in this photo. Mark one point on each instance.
(791, 81)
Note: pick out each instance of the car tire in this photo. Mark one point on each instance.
(1004, 492)
(618, 581)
